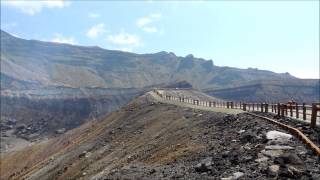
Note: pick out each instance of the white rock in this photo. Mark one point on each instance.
(278, 136)
(237, 175)
(278, 147)
(241, 131)
(263, 159)
(272, 153)
(274, 169)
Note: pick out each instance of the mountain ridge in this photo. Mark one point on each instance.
(55, 64)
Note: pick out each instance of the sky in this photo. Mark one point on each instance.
(281, 36)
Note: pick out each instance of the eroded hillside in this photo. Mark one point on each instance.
(148, 139)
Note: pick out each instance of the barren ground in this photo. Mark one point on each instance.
(149, 139)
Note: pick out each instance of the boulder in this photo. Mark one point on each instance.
(248, 137)
(272, 153)
(288, 158)
(83, 154)
(204, 165)
(278, 136)
(21, 127)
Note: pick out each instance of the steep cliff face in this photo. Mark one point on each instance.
(32, 116)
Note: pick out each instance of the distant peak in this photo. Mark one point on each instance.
(162, 52)
(190, 56)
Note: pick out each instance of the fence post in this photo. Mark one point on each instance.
(278, 107)
(261, 106)
(314, 115)
(282, 110)
(304, 111)
(291, 112)
(266, 108)
(244, 107)
(297, 111)
(286, 109)
(253, 107)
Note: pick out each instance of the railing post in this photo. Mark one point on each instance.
(278, 109)
(297, 111)
(291, 112)
(314, 115)
(261, 106)
(282, 110)
(286, 109)
(304, 111)
(266, 108)
(244, 107)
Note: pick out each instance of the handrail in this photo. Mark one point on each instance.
(289, 109)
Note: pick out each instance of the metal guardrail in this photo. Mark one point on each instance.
(289, 109)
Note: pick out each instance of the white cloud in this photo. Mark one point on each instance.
(143, 21)
(59, 38)
(150, 29)
(125, 39)
(33, 7)
(96, 31)
(94, 15)
(147, 23)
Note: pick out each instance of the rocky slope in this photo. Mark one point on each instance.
(53, 64)
(152, 140)
(36, 114)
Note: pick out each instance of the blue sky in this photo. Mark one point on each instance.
(278, 36)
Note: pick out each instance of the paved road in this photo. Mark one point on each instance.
(183, 104)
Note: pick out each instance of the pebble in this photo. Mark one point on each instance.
(273, 170)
